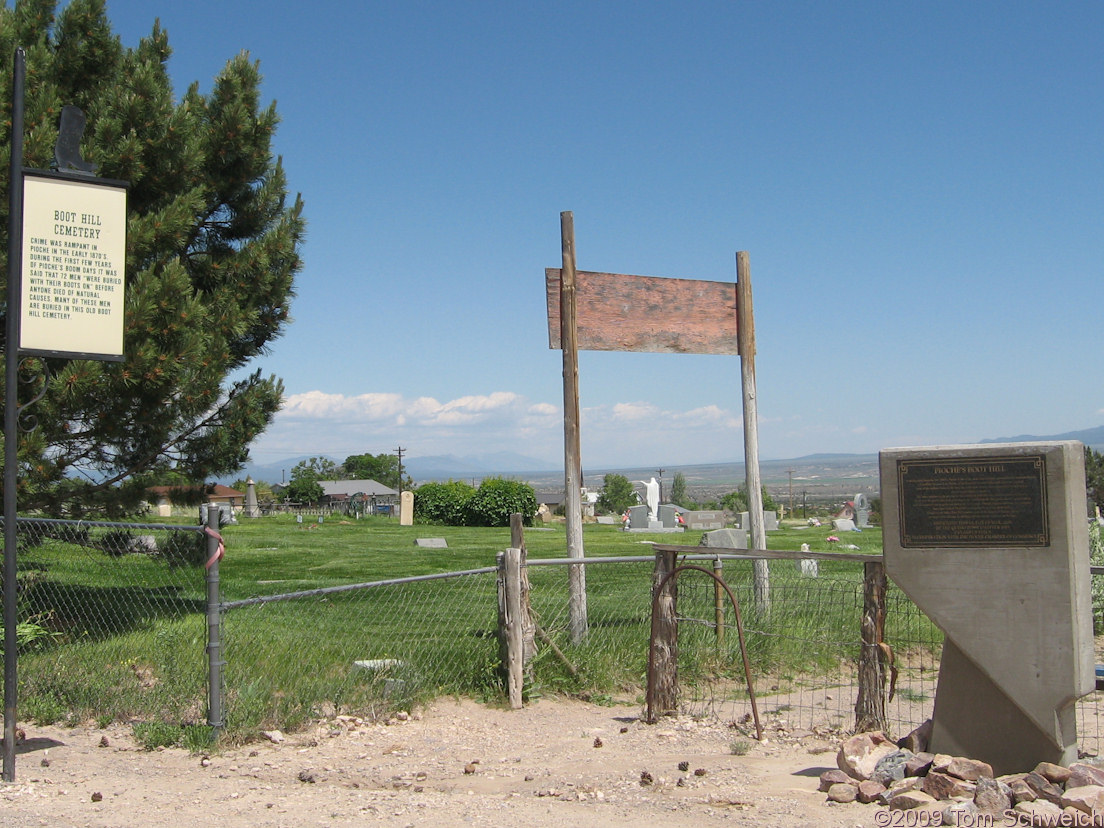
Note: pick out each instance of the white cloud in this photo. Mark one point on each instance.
(318, 422)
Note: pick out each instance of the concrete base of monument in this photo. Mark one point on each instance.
(974, 717)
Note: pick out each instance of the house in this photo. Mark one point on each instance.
(162, 498)
(358, 495)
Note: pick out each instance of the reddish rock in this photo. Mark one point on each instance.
(1086, 798)
(908, 800)
(969, 769)
(1021, 791)
(859, 755)
(917, 741)
(944, 786)
(1053, 773)
(919, 764)
(992, 797)
(832, 777)
(1082, 774)
(1043, 788)
(869, 791)
(843, 792)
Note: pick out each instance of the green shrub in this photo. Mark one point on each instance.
(497, 499)
(445, 503)
(184, 549)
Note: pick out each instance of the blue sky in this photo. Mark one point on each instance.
(918, 185)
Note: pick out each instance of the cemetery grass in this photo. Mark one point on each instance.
(289, 662)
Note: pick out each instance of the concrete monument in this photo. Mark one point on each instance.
(991, 542)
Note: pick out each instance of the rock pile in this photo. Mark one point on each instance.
(905, 777)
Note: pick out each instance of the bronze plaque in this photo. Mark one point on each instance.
(973, 501)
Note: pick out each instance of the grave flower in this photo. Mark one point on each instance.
(832, 539)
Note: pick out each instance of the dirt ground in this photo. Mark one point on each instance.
(457, 763)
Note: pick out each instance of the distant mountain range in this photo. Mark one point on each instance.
(1091, 437)
(812, 473)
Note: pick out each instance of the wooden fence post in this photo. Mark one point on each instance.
(528, 620)
(663, 679)
(870, 713)
(718, 603)
(515, 655)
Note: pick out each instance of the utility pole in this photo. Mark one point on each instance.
(399, 451)
(660, 473)
(790, 472)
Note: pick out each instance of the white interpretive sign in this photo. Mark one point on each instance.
(74, 257)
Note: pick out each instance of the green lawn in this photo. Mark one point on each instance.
(130, 630)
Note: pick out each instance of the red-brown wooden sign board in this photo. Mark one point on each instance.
(616, 312)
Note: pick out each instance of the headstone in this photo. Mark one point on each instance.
(726, 539)
(431, 543)
(808, 566)
(667, 516)
(862, 511)
(770, 521)
(406, 508)
(991, 543)
(638, 517)
(251, 509)
(704, 520)
(843, 525)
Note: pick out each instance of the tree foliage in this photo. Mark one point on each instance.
(497, 498)
(211, 255)
(458, 504)
(617, 494)
(1094, 476)
(444, 503)
(383, 468)
(678, 490)
(737, 501)
(304, 487)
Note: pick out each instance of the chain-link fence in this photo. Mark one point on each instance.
(363, 648)
(112, 625)
(111, 621)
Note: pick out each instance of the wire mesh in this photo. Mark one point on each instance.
(112, 626)
(110, 621)
(364, 651)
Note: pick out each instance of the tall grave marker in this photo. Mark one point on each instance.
(991, 542)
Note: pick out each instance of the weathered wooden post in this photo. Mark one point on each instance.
(515, 667)
(573, 468)
(528, 620)
(870, 713)
(746, 338)
(718, 603)
(663, 665)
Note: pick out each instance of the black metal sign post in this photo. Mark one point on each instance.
(11, 412)
(65, 217)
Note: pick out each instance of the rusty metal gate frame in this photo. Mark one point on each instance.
(674, 573)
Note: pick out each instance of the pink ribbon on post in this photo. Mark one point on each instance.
(218, 552)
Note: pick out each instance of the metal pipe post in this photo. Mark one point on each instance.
(214, 625)
(11, 411)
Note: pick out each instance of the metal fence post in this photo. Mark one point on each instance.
(214, 622)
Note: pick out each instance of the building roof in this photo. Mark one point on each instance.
(348, 488)
(215, 491)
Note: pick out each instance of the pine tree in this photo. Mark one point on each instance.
(212, 251)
